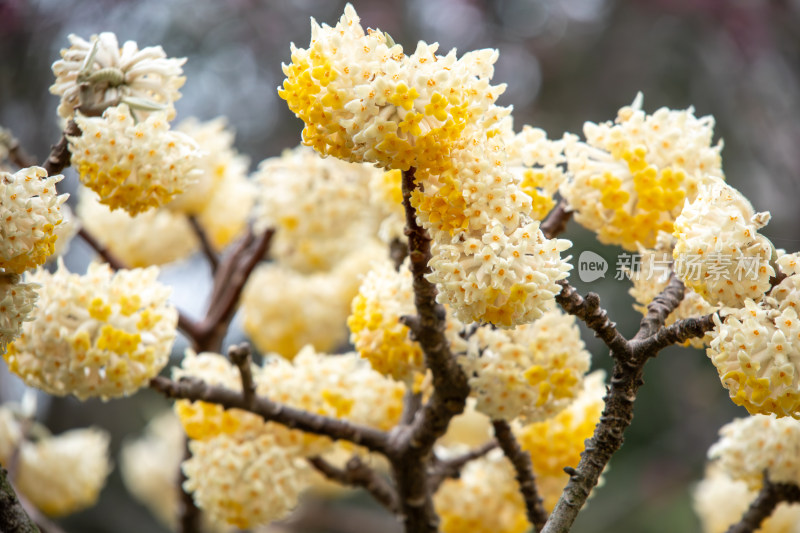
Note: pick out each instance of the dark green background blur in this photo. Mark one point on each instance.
(565, 62)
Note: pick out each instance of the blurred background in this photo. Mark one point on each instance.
(565, 62)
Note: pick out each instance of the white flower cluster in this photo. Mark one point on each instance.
(342, 386)
(130, 165)
(629, 179)
(115, 75)
(756, 350)
(750, 447)
(244, 481)
(719, 252)
(364, 100)
(17, 301)
(319, 207)
(100, 334)
(533, 371)
(720, 501)
(59, 474)
(30, 210)
(284, 310)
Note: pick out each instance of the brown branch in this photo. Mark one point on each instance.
(357, 474)
(196, 390)
(677, 333)
(521, 460)
(769, 497)
(208, 250)
(398, 251)
(59, 157)
(16, 154)
(412, 403)
(411, 446)
(113, 261)
(626, 379)
(441, 470)
(12, 514)
(189, 515)
(595, 317)
(556, 221)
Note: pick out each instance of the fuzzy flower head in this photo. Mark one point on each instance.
(484, 499)
(112, 75)
(630, 178)
(17, 301)
(749, 447)
(284, 310)
(559, 441)
(30, 210)
(319, 207)
(244, 482)
(375, 328)
(720, 501)
(533, 371)
(756, 350)
(101, 334)
(130, 165)
(719, 252)
(364, 100)
(155, 237)
(148, 465)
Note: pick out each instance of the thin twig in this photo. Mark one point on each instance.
(524, 469)
(208, 250)
(595, 317)
(113, 261)
(197, 390)
(358, 474)
(59, 157)
(442, 469)
(189, 515)
(769, 497)
(241, 356)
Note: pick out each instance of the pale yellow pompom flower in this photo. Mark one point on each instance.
(30, 210)
(116, 75)
(533, 371)
(17, 301)
(154, 237)
(319, 207)
(244, 482)
(102, 334)
(484, 499)
(364, 100)
(558, 442)
(752, 446)
(720, 501)
(719, 252)
(630, 178)
(133, 166)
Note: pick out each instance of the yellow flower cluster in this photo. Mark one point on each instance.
(533, 371)
(30, 210)
(375, 328)
(629, 180)
(558, 442)
(59, 474)
(484, 499)
(133, 166)
(102, 334)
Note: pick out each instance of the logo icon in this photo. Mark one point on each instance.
(591, 267)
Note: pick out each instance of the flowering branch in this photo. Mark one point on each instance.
(629, 357)
(12, 515)
(521, 460)
(195, 390)
(357, 474)
(769, 497)
(59, 157)
(412, 445)
(451, 468)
